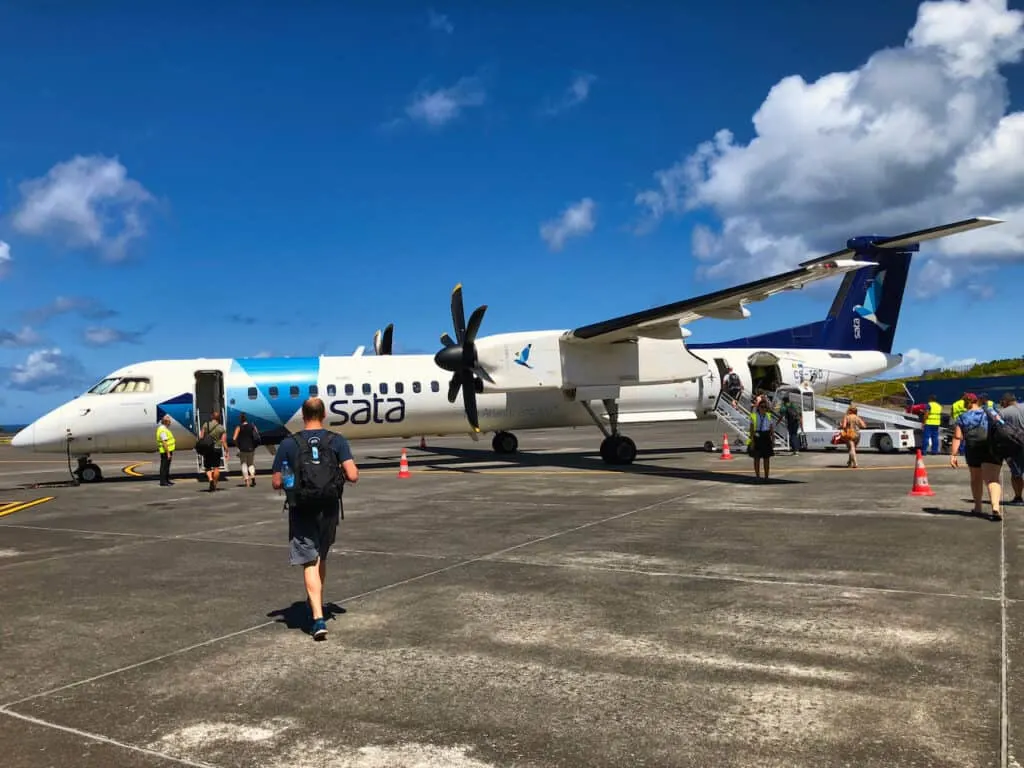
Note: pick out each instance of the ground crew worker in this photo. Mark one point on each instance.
(932, 420)
(165, 443)
(958, 409)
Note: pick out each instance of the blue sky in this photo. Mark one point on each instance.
(256, 179)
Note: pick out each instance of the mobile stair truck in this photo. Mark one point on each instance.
(887, 430)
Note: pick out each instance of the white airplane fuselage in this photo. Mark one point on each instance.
(383, 396)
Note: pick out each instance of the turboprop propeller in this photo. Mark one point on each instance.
(459, 356)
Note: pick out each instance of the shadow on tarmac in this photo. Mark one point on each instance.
(298, 616)
(452, 459)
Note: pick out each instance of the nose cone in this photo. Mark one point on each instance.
(26, 438)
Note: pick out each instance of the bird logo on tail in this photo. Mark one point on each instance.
(868, 309)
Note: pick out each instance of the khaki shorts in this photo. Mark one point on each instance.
(247, 457)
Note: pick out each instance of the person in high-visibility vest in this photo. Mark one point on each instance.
(957, 411)
(932, 420)
(165, 444)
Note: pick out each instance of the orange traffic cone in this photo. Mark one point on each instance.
(403, 466)
(726, 453)
(920, 487)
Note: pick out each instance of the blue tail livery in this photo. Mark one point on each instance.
(863, 315)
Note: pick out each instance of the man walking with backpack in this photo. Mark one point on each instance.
(312, 466)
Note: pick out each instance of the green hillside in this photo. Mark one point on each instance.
(891, 391)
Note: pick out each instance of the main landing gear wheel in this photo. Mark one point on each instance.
(618, 450)
(505, 442)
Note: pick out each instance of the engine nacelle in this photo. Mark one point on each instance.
(550, 360)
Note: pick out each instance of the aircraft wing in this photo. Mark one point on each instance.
(663, 322)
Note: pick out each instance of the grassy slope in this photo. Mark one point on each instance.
(882, 390)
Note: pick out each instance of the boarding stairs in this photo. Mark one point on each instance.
(734, 414)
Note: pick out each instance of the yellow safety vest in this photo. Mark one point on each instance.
(934, 417)
(958, 408)
(161, 433)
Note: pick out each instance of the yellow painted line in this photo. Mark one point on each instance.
(130, 469)
(18, 506)
(8, 504)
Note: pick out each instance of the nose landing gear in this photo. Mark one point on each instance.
(88, 472)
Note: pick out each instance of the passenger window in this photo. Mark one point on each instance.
(293, 391)
(314, 390)
(253, 393)
(349, 389)
(399, 387)
(416, 386)
(435, 387)
(273, 392)
(367, 389)
(331, 390)
(383, 388)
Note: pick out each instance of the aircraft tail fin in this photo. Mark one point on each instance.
(863, 315)
(867, 305)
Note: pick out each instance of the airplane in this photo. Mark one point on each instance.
(637, 368)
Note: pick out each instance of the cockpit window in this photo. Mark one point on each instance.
(132, 385)
(104, 386)
(117, 384)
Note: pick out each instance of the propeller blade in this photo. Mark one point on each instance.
(469, 399)
(376, 342)
(447, 340)
(458, 314)
(386, 343)
(474, 324)
(453, 387)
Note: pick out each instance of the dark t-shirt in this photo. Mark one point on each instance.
(246, 437)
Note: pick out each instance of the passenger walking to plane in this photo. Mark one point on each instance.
(314, 501)
(733, 384)
(849, 433)
(932, 420)
(246, 438)
(212, 458)
(972, 428)
(762, 435)
(165, 444)
(1012, 412)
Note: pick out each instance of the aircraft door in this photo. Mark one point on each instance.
(209, 396)
(809, 417)
(765, 374)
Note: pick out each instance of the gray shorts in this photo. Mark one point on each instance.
(311, 533)
(1016, 466)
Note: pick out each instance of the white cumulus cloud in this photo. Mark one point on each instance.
(576, 220)
(440, 107)
(46, 370)
(85, 202)
(577, 92)
(26, 337)
(917, 136)
(440, 22)
(916, 361)
(5, 257)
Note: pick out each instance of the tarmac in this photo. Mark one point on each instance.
(536, 610)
